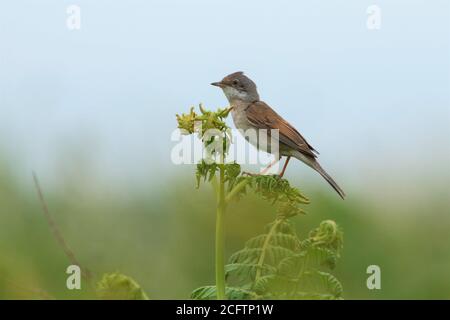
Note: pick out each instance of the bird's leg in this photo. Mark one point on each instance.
(269, 166)
(285, 166)
(262, 172)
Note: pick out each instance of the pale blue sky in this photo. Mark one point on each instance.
(373, 103)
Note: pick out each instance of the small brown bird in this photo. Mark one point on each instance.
(249, 112)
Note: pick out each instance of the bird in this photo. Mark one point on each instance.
(249, 112)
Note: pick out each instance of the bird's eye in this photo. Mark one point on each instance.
(235, 82)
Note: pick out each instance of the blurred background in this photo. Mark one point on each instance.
(91, 111)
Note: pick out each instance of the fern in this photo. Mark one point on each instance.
(276, 264)
(232, 293)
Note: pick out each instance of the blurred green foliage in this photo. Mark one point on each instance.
(155, 234)
(116, 286)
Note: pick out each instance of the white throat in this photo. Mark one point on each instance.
(234, 94)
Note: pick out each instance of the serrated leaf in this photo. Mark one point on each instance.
(246, 272)
(311, 284)
(273, 255)
(288, 267)
(288, 241)
(232, 293)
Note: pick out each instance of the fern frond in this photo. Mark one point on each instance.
(232, 293)
(312, 258)
(277, 265)
(205, 171)
(281, 225)
(273, 255)
(311, 283)
(319, 282)
(241, 272)
(327, 235)
(288, 241)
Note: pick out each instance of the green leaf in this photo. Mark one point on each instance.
(205, 171)
(186, 122)
(312, 258)
(287, 241)
(274, 254)
(232, 293)
(244, 271)
(277, 265)
(328, 234)
(116, 286)
(232, 171)
(320, 283)
(311, 284)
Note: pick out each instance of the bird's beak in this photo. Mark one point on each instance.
(218, 84)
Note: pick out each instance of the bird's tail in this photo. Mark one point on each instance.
(316, 166)
(313, 163)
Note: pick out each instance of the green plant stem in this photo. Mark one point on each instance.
(220, 237)
(264, 248)
(236, 189)
(215, 186)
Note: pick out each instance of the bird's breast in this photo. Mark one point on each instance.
(240, 118)
(258, 139)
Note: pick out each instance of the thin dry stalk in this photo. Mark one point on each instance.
(57, 233)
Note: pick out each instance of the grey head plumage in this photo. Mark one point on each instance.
(238, 86)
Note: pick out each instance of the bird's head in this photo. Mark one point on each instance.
(237, 86)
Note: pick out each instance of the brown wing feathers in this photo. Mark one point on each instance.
(264, 117)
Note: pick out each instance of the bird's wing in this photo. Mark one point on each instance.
(264, 117)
